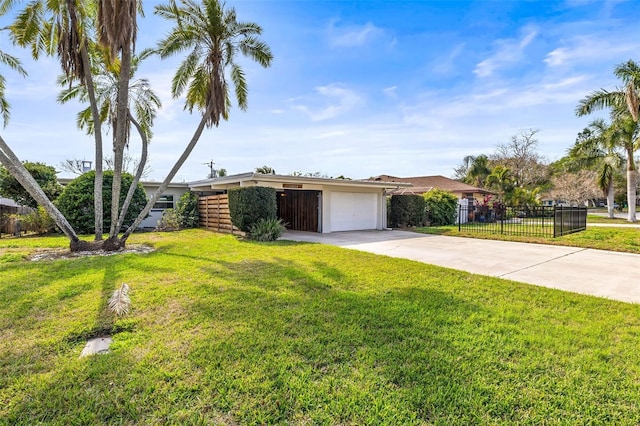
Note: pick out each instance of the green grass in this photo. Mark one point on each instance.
(603, 238)
(230, 332)
(592, 218)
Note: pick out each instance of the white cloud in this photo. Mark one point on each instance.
(391, 92)
(507, 51)
(589, 49)
(353, 36)
(337, 100)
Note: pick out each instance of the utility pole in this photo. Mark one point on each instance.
(212, 173)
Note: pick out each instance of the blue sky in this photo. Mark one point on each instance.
(367, 88)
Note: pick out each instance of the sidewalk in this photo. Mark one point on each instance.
(599, 273)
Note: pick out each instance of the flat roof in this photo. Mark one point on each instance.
(260, 177)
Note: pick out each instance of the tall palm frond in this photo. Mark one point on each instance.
(13, 63)
(213, 37)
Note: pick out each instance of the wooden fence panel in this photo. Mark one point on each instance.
(215, 215)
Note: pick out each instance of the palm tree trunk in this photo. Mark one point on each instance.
(610, 195)
(120, 136)
(17, 170)
(631, 193)
(167, 180)
(97, 132)
(136, 178)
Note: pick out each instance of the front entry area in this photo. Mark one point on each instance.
(300, 209)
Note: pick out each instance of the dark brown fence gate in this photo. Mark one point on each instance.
(299, 209)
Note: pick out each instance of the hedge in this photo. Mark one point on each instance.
(248, 205)
(406, 210)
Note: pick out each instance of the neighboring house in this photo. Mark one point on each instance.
(316, 204)
(422, 184)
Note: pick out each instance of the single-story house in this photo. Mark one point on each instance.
(422, 184)
(316, 204)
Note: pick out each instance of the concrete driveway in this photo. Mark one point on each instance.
(599, 273)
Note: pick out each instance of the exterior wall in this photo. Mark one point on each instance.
(156, 213)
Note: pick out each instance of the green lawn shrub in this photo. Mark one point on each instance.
(170, 221)
(187, 210)
(441, 207)
(266, 229)
(76, 201)
(248, 205)
(406, 210)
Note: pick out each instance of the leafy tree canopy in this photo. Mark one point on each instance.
(43, 174)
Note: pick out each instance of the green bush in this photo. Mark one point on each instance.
(266, 229)
(406, 210)
(248, 205)
(76, 201)
(170, 221)
(187, 210)
(441, 207)
(37, 221)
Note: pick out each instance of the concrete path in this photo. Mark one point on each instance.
(599, 273)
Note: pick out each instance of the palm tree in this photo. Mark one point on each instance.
(626, 134)
(13, 63)
(502, 181)
(265, 170)
(596, 148)
(478, 170)
(213, 37)
(141, 113)
(624, 103)
(117, 27)
(59, 28)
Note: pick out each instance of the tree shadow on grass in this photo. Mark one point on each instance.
(293, 339)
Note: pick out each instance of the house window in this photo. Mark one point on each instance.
(164, 202)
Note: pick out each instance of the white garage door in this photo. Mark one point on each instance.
(351, 211)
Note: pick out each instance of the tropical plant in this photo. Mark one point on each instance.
(265, 170)
(13, 63)
(501, 181)
(59, 28)
(624, 106)
(596, 149)
(210, 33)
(477, 170)
(213, 37)
(266, 229)
(44, 175)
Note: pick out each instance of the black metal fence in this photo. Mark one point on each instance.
(535, 221)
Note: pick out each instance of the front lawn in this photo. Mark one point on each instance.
(230, 332)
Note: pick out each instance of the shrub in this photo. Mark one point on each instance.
(170, 221)
(441, 207)
(76, 201)
(248, 205)
(187, 210)
(266, 229)
(37, 221)
(406, 210)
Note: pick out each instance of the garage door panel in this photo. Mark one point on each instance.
(351, 211)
